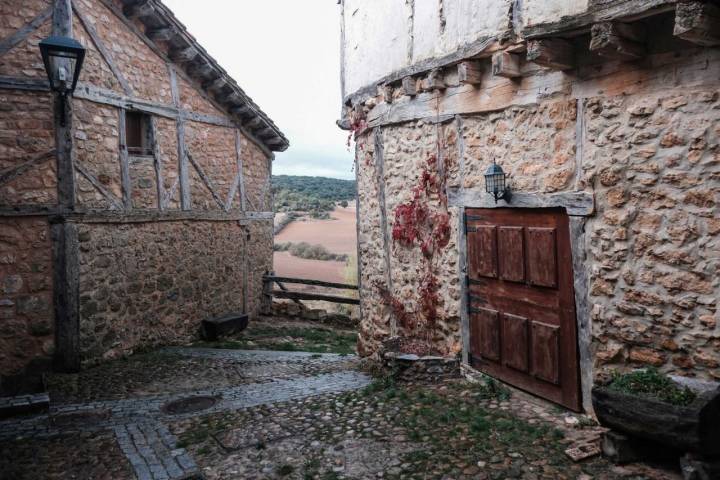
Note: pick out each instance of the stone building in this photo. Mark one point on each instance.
(605, 116)
(148, 211)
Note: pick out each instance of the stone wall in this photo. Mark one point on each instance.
(150, 284)
(26, 306)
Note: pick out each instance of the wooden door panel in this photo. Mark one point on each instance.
(515, 342)
(482, 251)
(521, 300)
(546, 352)
(542, 257)
(511, 253)
(487, 327)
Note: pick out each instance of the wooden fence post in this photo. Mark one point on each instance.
(267, 294)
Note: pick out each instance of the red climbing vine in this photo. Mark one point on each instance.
(423, 222)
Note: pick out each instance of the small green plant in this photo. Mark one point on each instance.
(492, 389)
(285, 470)
(651, 383)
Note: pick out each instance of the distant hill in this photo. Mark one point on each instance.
(310, 194)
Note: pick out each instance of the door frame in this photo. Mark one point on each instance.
(578, 206)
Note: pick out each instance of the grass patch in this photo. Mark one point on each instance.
(653, 384)
(290, 339)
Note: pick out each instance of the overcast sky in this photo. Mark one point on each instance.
(285, 54)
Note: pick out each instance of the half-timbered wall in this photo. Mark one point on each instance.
(146, 245)
(627, 146)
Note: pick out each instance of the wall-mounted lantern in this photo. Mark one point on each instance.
(495, 183)
(63, 58)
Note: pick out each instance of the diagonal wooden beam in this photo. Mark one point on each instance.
(12, 173)
(109, 196)
(103, 51)
(8, 43)
(206, 180)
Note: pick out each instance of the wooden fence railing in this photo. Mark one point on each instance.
(282, 292)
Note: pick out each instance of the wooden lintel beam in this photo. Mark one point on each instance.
(698, 22)
(161, 34)
(409, 86)
(469, 73)
(617, 41)
(552, 53)
(506, 64)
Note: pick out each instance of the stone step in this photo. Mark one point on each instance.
(215, 328)
(24, 404)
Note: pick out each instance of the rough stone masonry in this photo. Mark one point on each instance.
(610, 110)
(148, 212)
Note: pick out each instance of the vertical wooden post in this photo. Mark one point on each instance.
(157, 163)
(65, 248)
(185, 202)
(266, 305)
(124, 160)
(380, 172)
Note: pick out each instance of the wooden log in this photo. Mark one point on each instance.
(255, 122)
(469, 73)
(305, 281)
(617, 41)
(140, 9)
(217, 85)
(505, 64)
(698, 22)
(552, 53)
(314, 296)
(409, 86)
(157, 163)
(691, 428)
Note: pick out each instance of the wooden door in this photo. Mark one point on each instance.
(521, 301)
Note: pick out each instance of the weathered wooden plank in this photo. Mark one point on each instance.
(66, 293)
(575, 203)
(29, 210)
(63, 113)
(157, 162)
(124, 160)
(109, 196)
(104, 52)
(618, 41)
(505, 64)
(62, 18)
(581, 284)
(241, 172)
(206, 180)
(304, 281)
(154, 215)
(625, 10)
(21, 34)
(553, 53)
(27, 84)
(13, 172)
(469, 73)
(698, 22)
(185, 202)
(314, 296)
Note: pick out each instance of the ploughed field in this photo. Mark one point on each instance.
(338, 235)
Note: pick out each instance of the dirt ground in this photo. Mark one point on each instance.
(337, 235)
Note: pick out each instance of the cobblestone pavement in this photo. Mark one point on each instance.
(293, 415)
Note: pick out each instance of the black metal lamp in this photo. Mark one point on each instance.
(495, 183)
(63, 58)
